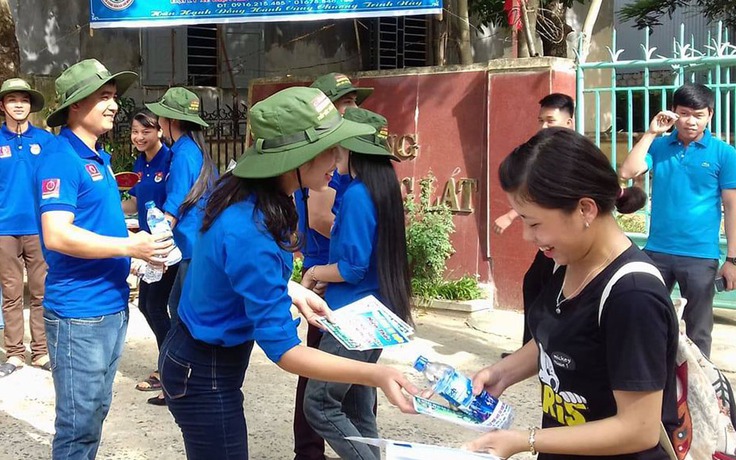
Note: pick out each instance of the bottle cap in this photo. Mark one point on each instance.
(150, 204)
(421, 363)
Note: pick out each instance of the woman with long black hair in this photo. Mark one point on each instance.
(238, 290)
(367, 257)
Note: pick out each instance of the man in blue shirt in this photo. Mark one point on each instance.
(315, 224)
(88, 250)
(693, 174)
(21, 149)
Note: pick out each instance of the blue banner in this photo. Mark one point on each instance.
(167, 13)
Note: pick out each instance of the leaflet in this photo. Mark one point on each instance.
(367, 324)
(400, 450)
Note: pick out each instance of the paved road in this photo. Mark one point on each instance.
(135, 430)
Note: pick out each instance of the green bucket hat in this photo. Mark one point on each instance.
(291, 128)
(178, 104)
(337, 85)
(18, 85)
(370, 144)
(80, 81)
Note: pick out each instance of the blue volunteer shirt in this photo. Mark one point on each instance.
(152, 183)
(76, 179)
(186, 163)
(352, 248)
(236, 286)
(686, 194)
(20, 154)
(316, 248)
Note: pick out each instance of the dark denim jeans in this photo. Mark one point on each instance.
(202, 385)
(175, 295)
(338, 410)
(85, 353)
(153, 301)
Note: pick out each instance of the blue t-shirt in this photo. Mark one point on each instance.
(186, 163)
(316, 247)
(686, 194)
(19, 157)
(236, 288)
(74, 178)
(352, 248)
(152, 183)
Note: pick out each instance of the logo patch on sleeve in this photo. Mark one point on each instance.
(5, 151)
(50, 188)
(94, 173)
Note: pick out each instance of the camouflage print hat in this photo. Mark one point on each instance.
(291, 128)
(18, 85)
(337, 85)
(369, 144)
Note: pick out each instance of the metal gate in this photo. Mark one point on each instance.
(621, 110)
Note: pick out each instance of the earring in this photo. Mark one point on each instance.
(586, 224)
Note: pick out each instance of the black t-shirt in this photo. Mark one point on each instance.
(582, 362)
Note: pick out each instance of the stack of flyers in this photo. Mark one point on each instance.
(367, 324)
(442, 412)
(403, 450)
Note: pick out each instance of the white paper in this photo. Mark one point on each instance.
(400, 450)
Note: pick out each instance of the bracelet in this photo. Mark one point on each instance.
(532, 434)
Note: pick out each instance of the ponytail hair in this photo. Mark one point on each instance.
(557, 167)
(207, 175)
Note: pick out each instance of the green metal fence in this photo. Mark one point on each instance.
(630, 107)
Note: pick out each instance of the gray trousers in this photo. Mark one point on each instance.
(338, 410)
(695, 279)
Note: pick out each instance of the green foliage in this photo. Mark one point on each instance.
(296, 274)
(647, 13)
(466, 288)
(632, 223)
(122, 157)
(428, 233)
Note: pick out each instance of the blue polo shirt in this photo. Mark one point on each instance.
(236, 287)
(74, 178)
(186, 163)
(686, 194)
(352, 248)
(316, 247)
(19, 157)
(152, 183)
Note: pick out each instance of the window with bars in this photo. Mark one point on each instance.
(202, 55)
(398, 42)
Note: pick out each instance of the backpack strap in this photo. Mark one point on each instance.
(631, 267)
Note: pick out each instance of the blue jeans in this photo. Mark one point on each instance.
(85, 353)
(176, 289)
(202, 386)
(338, 410)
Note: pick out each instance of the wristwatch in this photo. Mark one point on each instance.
(731, 259)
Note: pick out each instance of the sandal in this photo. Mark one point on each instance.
(43, 363)
(6, 369)
(156, 401)
(152, 383)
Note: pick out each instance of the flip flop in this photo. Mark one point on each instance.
(6, 369)
(46, 366)
(156, 401)
(152, 383)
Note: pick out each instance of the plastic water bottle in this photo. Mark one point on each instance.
(457, 389)
(157, 224)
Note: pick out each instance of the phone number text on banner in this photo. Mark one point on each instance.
(167, 13)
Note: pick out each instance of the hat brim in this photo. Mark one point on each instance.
(123, 81)
(362, 146)
(161, 110)
(361, 94)
(37, 99)
(254, 165)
